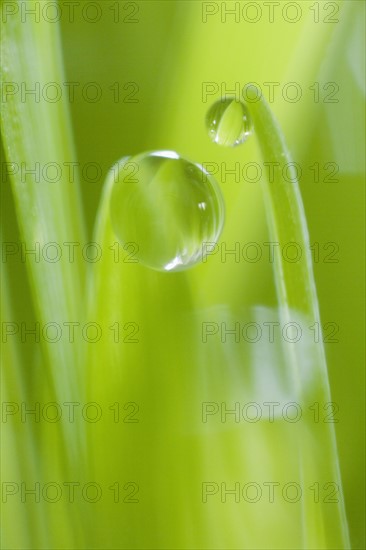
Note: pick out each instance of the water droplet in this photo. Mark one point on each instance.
(228, 122)
(167, 206)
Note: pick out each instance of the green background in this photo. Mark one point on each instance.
(169, 53)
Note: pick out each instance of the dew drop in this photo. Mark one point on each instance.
(167, 206)
(228, 122)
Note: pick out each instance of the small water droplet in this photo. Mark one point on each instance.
(228, 122)
(166, 205)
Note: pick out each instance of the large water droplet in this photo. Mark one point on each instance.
(169, 207)
(228, 122)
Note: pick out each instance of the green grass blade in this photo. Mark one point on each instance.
(296, 294)
(36, 132)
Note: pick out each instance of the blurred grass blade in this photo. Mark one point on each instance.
(171, 374)
(37, 140)
(37, 136)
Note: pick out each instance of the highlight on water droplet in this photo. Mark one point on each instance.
(228, 122)
(167, 206)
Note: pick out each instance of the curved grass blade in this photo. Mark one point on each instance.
(297, 293)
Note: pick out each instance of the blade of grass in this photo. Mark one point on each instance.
(170, 373)
(37, 132)
(19, 442)
(295, 286)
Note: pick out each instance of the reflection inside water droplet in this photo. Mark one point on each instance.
(228, 122)
(168, 206)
